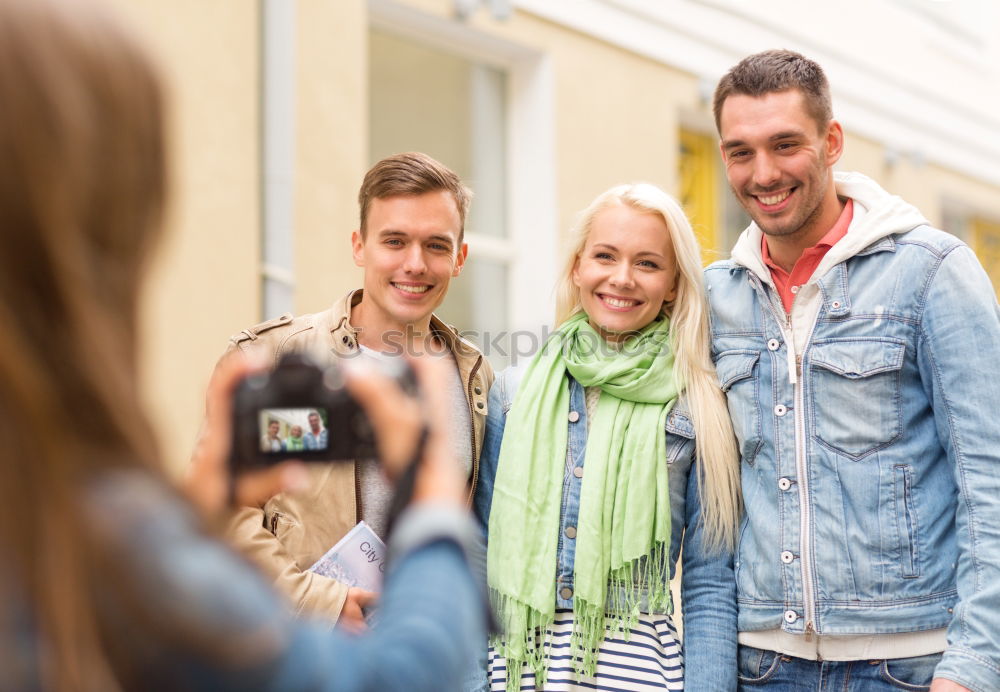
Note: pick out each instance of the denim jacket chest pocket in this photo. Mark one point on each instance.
(739, 379)
(855, 399)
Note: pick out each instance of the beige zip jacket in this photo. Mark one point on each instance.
(290, 532)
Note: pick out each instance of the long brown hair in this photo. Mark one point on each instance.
(82, 188)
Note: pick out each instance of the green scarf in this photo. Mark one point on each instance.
(623, 535)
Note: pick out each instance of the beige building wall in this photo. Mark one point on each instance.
(932, 188)
(332, 146)
(612, 130)
(205, 278)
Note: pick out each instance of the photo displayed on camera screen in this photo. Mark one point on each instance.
(285, 430)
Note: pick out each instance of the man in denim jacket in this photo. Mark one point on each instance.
(856, 346)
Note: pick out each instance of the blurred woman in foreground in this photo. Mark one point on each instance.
(107, 580)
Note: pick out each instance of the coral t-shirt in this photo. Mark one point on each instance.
(788, 284)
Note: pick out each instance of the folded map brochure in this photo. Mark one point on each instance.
(358, 559)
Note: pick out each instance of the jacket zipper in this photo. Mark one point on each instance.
(805, 512)
(472, 431)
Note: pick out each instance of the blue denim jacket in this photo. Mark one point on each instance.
(870, 455)
(707, 584)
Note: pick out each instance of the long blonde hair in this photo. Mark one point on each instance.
(717, 456)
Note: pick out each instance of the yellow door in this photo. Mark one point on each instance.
(986, 244)
(699, 161)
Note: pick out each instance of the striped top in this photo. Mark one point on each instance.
(649, 659)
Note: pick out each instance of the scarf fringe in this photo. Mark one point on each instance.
(525, 640)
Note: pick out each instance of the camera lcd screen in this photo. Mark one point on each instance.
(284, 430)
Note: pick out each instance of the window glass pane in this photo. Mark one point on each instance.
(477, 306)
(425, 99)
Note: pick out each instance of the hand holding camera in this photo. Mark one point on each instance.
(208, 482)
(347, 411)
(303, 411)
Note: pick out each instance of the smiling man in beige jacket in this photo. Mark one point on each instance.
(410, 244)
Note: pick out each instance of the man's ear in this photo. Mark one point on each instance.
(834, 142)
(463, 253)
(358, 248)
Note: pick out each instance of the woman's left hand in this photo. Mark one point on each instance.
(207, 481)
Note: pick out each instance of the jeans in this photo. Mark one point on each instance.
(774, 672)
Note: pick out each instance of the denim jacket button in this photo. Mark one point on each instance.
(565, 593)
(780, 410)
(574, 416)
(570, 532)
(773, 345)
(790, 615)
(578, 471)
(784, 483)
(787, 557)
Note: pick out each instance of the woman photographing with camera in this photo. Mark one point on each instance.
(109, 580)
(610, 449)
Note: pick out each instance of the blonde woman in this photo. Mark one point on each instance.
(591, 476)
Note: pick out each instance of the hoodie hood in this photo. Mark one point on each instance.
(877, 214)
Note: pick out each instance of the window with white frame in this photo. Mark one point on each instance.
(456, 106)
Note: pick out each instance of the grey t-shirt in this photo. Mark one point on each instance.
(376, 492)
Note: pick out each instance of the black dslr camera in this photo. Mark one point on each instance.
(300, 410)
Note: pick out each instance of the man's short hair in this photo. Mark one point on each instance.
(412, 173)
(772, 71)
